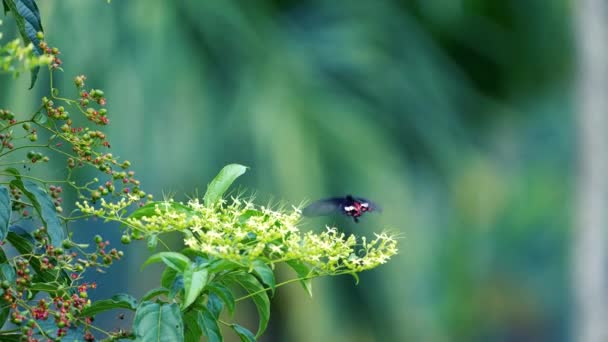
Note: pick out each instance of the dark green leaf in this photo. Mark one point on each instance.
(264, 272)
(24, 243)
(259, 297)
(177, 286)
(195, 279)
(221, 182)
(158, 322)
(192, 330)
(159, 291)
(215, 305)
(209, 325)
(27, 16)
(176, 261)
(303, 271)
(224, 294)
(43, 204)
(244, 333)
(10, 337)
(5, 212)
(44, 287)
(118, 301)
(168, 277)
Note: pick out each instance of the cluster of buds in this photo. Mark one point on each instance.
(54, 112)
(98, 116)
(34, 157)
(55, 192)
(51, 52)
(107, 257)
(6, 114)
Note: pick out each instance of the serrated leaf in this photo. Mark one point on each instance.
(5, 211)
(244, 333)
(259, 297)
(221, 182)
(158, 322)
(176, 261)
(43, 204)
(224, 294)
(27, 17)
(208, 324)
(264, 272)
(303, 271)
(118, 301)
(195, 279)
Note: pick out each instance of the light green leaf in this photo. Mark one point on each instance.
(176, 261)
(159, 291)
(158, 322)
(118, 301)
(264, 272)
(195, 279)
(221, 182)
(303, 271)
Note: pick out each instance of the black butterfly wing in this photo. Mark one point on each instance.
(328, 206)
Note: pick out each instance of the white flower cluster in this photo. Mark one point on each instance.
(241, 232)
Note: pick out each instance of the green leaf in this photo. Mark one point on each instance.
(5, 212)
(158, 322)
(43, 204)
(303, 271)
(224, 294)
(44, 287)
(221, 265)
(159, 291)
(168, 277)
(118, 301)
(149, 209)
(244, 333)
(215, 305)
(10, 337)
(195, 279)
(27, 17)
(264, 272)
(192, 330)
(221, 182)
(24, 243)
(152, 242)
(208, 323)
(176, 261)
(259, 297)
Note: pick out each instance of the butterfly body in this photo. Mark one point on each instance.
(349, 205)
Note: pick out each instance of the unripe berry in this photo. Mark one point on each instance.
(125, 239)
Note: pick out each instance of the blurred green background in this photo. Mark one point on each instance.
(455, 116)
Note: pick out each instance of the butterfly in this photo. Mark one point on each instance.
(348, 205)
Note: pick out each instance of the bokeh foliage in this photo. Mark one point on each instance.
(455, 116)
